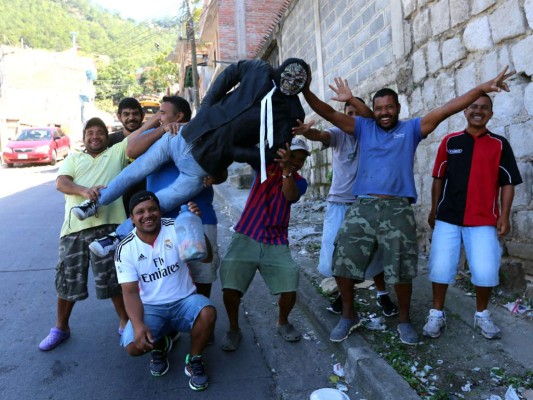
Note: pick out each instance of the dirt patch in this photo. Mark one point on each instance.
(459, 364)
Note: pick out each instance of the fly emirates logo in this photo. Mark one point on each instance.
(162, 270)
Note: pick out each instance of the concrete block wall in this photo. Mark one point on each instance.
(429, 51)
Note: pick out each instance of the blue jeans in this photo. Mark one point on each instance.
(168, 148)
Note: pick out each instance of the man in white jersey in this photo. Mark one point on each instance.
(158, 291)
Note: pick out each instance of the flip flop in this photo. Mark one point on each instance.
(288, 332)
(231, 340)
(54, 339)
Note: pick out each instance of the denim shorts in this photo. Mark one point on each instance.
(274, 261)
(164, 318)
(482, 248)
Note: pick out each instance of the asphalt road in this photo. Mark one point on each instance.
(91, 364)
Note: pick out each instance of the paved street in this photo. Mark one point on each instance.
(91, 364)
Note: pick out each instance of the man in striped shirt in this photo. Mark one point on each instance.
(260, 242)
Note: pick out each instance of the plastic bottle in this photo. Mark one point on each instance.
(190, 232)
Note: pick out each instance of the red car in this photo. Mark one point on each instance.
(37, 146)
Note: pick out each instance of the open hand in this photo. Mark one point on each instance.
(342, 90)
(302, 128)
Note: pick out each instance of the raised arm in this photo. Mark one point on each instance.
(310, 133)
(289, 189)
(436, 116)
(229, 78)
(344, 94)
(340, 120)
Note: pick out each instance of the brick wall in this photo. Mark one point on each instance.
(257, 22)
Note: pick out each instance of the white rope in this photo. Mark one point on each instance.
(267, 126)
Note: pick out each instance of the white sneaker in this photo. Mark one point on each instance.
(483, 321)
(436, 321)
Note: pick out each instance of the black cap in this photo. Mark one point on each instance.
(141, 196)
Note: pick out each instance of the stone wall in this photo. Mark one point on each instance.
(430, 51)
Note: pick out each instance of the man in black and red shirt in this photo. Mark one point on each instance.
(473, 188)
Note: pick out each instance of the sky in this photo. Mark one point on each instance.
(142, 9)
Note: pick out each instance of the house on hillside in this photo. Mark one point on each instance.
(40, 87)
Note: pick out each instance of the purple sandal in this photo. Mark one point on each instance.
(54, 339)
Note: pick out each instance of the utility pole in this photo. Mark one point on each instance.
(194, 64)
(74, 35)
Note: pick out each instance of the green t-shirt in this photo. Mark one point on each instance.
(89, 171)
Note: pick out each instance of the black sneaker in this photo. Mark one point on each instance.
(388, 308)
(85, 210)
(336, 306)
(103, 246)
(159, 364)
(194, 368)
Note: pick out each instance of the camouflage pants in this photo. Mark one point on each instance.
(373, 224)
(73, 267)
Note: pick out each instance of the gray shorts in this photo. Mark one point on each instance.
(274, 261)
(73, 267)
(385, 225)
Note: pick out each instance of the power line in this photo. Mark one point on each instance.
(125, 38)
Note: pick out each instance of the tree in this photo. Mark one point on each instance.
(157, 78)
(115, 81)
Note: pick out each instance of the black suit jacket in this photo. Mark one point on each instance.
(226, 127)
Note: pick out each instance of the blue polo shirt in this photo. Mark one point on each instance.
(386, 158)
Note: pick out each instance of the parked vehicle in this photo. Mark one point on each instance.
(150, 107)
(37, 146)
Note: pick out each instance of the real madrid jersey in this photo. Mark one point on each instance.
(163, 277)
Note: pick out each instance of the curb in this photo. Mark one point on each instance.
(365, 370)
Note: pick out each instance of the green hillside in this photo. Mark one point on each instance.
(47, 24)
(128, 45)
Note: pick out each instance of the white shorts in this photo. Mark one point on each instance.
(483, 252)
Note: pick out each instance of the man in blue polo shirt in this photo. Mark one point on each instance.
(382, 218)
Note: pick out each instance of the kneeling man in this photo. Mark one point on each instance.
(159, 294)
